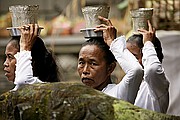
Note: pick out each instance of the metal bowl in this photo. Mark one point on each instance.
(14, 31)
(89, 33)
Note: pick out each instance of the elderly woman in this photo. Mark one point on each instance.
(27, 59)
(153, 93)
(154, 89)
(97, 61)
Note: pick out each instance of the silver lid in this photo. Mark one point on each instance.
(89, 33)
(23, 15)
(14, 31)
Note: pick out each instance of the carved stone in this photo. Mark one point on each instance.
(69, 101)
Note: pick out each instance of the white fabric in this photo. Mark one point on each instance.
(24, 73)
(153, 93)
(127, 89)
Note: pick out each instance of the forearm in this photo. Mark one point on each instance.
(130, 83)
(149, 55)
(150, 61)
(123, 56)
(154, 73)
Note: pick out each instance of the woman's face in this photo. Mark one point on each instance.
(135, 50)
(92, 67)
(9, 64)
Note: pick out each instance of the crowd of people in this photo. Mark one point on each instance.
(145, 84)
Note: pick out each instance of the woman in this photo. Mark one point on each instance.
(153, 93)
(96, 63)
(27, 59)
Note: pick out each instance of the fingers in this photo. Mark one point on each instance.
(100, 27)
(36, 29)
(109, 31)
(142, 30)
(104, 28)
(105, 20)
(151, 29)
(28, 36)
(24, 28)
(150, 26)
(29, 29)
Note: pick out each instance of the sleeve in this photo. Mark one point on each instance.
(24, 72)
(154, 73)
(128, 87)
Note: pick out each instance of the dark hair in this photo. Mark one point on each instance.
(108, 56)
(15, 42)
(43, 63)
(158, 48)
(138, 39)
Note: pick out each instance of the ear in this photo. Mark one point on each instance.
(111, 67)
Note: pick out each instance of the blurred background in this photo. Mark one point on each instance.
(63, 19)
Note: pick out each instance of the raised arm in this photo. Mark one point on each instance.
(24, 72)
(127, 89)
(153, 70)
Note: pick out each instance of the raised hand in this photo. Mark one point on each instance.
(28, 36)
(148, 35)
(109, 31)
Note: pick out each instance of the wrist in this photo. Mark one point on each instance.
(23, 47)
(148, 44)
(145, 41)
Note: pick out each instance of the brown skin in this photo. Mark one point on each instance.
(110, 32)
(135, 50)
(147, 36)
(92, 67)
(28, 36)
(9, 64)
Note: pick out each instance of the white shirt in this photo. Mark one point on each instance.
(24, 72)
(128, 87)
(153, 93)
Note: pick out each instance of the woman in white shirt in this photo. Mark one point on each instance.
(96, 63)
(153, 93)
(154, 89)
(27, 59)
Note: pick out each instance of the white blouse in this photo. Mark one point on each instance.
(153, 93)
(24, 72)
(149, 91)
(128, 87)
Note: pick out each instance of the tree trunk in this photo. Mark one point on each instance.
(69, 101)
